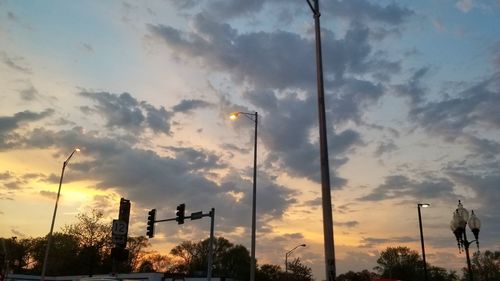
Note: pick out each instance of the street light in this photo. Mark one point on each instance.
(459, 221)
(49, 238)
(422, 205)
(254, 117)
(286, 257)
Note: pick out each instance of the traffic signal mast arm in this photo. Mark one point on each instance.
(180, 217)
(193, 216)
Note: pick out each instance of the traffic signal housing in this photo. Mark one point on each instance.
(180, 213)
(150, 230)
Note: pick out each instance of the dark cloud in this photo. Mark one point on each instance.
(413, 88)
(385, 147)
(164, 181)
(5, 175)
(197, 159)
(401, 187)
(358, 9)
(485, 148)
(11, 16)
(229, 9)
(481, 181)
(348, 224)
(474, 107)
(15, 63)
(271, 60)
(234, 148)
(158, 119)
(372, 241)
(187, 4)
(283, 60)
(294, 236)
(366, 10)
(186, 106)
(9, 124)
(48, 194)
(87, 47)
(125, 112)
(28, 94)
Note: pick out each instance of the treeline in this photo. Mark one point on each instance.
(84, 248)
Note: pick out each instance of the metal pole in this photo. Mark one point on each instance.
(211, 245)
(49, 238)
(422, 241)
(286, 265)
(466, 246)
(6, 269)
(254, 199)
(325, 169)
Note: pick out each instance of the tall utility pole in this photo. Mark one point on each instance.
(325, 169)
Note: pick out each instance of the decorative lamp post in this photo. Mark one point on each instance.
(253, 117)
(286, 257)
(458, 226)
(49, 238)
(423, 205)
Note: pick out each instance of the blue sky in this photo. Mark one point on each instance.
(145, 88)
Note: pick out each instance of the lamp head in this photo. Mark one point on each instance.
(303, 245)
(77, 149)
(424, 205)
(234, 115)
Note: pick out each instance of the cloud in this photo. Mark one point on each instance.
(414, 88)
(8, 124)
(197, 159)
(474, 107)
(348, 224)
(125, 112)
(5, 175)
(400, 187)
(366, 10)
(87, 47)
(354, 9)
(372, 241)
(186, 106)
(220, 47)
(385, 147)
(286, 134)
(28, 94)
(482, 181)
(164, 181)
(15, 63)
(48, 194)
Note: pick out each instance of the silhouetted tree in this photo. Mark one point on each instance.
(399, 263)
(298, 271)
(364, 275)
(137, 251)
(486, 266)
(228, 261)
(270, 272)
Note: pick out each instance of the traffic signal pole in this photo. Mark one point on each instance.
(211, 245)
(180, 216)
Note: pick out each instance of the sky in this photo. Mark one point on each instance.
(145, 89)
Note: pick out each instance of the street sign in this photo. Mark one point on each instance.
(197, 215)
(119, 239)
(119, 227)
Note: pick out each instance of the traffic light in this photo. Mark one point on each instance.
(180, 213)
(150, 232)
